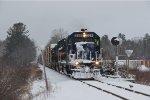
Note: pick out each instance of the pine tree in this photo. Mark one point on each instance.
(107, 54)
(19, 48)
(123, 46)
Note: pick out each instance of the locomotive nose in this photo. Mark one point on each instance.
(87, 69)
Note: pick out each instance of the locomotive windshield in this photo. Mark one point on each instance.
(85, 50)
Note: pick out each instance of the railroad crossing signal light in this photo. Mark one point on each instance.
(115, 41)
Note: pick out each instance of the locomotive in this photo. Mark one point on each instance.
(78, 55)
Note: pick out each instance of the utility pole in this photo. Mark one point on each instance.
(128, 52)
(117, 60)
(145, 40)
(45, 76)
(116, 41)
(50, 57)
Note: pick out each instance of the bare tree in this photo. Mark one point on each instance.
(57, 34)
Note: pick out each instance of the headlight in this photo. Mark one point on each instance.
(77, 63)
(97, 63)
(84, 35)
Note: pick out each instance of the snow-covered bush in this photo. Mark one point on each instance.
(143, 68)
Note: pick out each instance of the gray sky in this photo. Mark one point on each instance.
(131, 18)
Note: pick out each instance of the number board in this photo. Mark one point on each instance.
(81, 35)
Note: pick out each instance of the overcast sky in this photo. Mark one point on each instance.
(131, 18)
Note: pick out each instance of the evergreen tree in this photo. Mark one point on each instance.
(107, 53)
(123, 46)
(146, 46)
(19, 48)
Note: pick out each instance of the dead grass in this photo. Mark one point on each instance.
(15, 80)
(141, 77)
(36, 72)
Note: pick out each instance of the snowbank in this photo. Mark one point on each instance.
(143, 68)
(38, 87)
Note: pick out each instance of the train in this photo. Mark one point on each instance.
(78, 55)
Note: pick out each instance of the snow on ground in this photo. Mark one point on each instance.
(121, 82)
(64, 88)
(38, 87)
(121, 92)
(143, 68)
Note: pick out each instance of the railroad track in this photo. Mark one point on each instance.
(130, 90)
(110, 92)
(118, 91)
(98, 88)
(121, 97)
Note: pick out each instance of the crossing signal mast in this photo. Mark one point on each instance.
(116, 41)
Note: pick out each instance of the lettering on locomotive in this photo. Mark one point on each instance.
(81, 35)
